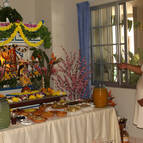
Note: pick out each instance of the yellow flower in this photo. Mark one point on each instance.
(10, 38)
(26, 40)
(4, 28)
(33, 29)
(19, 29)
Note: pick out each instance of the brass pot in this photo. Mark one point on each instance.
(100, 97)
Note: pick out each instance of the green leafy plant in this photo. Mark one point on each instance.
(7, 33)
(134, 59)
(43, 33)
(45, 64)
(12, 14)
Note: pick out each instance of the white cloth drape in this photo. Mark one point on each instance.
(138, 114)
(86, 127)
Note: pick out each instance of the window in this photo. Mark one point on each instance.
(112, 42)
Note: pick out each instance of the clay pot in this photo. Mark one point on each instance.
(100, 97)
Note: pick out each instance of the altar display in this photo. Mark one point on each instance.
(64, 108)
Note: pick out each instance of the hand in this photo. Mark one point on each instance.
(140, 102)
(122, 66)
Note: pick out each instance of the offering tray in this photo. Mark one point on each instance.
(27, 102)
(79, 101)
(35, 101)
(74, 102)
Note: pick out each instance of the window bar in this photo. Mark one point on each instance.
(125, 38)
(109, 14)
(101, 49)
(118, 40)
(92, 55)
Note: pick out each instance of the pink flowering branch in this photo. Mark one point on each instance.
(73, 75)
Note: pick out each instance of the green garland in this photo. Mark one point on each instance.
(43, 33)
(7, 33)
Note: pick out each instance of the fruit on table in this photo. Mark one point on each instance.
(39, 95)
(32, 97)
(1, 96)
(15, 99)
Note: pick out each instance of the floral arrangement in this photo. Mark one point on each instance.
(110, 99)
(44, 70)
(72, 75)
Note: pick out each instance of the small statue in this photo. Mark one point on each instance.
(23, 74)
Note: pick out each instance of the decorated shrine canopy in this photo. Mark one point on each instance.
(27, 32)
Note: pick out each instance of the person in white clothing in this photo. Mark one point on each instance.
(138, 114)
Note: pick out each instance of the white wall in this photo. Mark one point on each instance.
(43, 12)
(125, 99)
(26, 8)
(64, 26)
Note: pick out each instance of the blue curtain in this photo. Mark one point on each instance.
(83, 10)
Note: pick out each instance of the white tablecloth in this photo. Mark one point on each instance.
(86, 127)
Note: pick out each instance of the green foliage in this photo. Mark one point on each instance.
(140, 53)
(42, 56)
(38, 53)
(130, 23)
(43, 33)
(36, 82)
(11, 14)
(134, 59)
(7, 33)
(11, 83)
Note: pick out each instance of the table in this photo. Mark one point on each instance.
(85, 127)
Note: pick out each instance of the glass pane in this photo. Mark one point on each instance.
(121, 13)
(104, 36)
(123, 76)
(111, 35)
(108, 55)
(133, 78)
(96, 53)
(108, 35)
(95, 18)
(95, 36)
(112, 73)
(114, 34)
(113, 18)
(110, 18)
(98, 64)
(122, 35)
(123, 54)
(103, 68)
(104, 18)
(115, 54)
